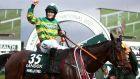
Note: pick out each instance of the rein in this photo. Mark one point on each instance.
(94, 57)
(83, 74)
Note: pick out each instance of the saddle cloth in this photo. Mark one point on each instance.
(38, 63)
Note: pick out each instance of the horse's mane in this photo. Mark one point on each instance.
(98, 44)
(97, 47)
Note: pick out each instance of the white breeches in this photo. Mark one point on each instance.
(46, 45)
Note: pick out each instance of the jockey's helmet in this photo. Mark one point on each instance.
(51, 7)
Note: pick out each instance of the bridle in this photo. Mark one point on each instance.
(123, 68)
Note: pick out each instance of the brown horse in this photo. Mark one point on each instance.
(110, 50)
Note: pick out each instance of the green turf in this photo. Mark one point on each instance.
(107, 11)
(11, 13)
(1, 14)
(6, 28)
(2, 77)
(103, 21)
(135, 32)
(113, 21)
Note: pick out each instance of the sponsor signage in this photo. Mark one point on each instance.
(9, 45)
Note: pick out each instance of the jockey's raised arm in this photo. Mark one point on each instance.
(47, 29)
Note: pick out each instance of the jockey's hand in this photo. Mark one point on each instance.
(61, 34)
(35, 2)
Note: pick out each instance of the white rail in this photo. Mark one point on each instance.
(10, 20)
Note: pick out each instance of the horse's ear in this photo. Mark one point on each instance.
(111, 36)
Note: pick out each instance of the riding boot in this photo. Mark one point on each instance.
(52, 64)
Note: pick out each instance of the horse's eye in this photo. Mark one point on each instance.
(124, 48)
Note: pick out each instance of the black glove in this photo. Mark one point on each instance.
(61, 34)
(32, 6)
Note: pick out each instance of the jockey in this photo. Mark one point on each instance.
(47, 27)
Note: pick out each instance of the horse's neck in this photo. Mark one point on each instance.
(101, 51)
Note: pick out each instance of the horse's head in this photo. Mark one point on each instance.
(120, 54)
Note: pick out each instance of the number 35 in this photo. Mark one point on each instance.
(35, 57)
